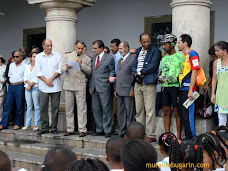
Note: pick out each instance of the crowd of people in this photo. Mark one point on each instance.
(208, 151)
(124, 84)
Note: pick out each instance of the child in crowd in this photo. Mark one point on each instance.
(139, 155)
(213, 153)
(185, 155)
(87, 165)
(223, 131)
(164, 145)
(113, 149)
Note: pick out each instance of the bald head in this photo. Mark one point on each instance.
(47, 46)
(135, 130)
(5, 163)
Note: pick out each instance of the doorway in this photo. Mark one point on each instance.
(34, 37)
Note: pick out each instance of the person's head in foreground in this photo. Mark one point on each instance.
(87, 165)
(58, 159)
(165, 141)
(5, 163)
(213, 153)
(113, 149)
(184, 152)
(135, 130)
(139, 155)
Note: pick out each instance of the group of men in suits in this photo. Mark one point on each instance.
(132, 77)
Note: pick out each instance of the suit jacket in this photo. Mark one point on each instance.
(100, 76)
(124, 77)
(74, 80)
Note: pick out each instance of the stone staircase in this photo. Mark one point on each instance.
(27, 150)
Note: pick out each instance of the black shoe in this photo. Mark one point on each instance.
(54, 132)
(97, 133)
(42, 132)
(107, 135)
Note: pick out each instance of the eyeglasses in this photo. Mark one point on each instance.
(16, 56)
(132, 53)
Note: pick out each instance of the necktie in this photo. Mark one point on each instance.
(121, 62)
(98, 60)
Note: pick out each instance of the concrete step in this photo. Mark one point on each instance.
(22, 144)
(27, 161)
(59, 139)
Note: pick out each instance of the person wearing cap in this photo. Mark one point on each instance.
(171, 66)
(15, 94)
(2, 83)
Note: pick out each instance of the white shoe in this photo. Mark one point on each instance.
(35, 128)
(26, 128)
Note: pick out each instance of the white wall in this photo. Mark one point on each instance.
(123, 19)
(18, 16)
(108, 19)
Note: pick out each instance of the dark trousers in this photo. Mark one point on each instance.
(187, 115)
(44, 117)
(126, 112)
(102, 111)
(15, 94)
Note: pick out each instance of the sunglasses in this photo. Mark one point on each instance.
(132, 53)
(16, 56)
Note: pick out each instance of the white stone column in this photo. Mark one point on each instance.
(61, 21)
(193, 17)
(1, 15)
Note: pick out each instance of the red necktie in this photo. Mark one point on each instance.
(98, 60)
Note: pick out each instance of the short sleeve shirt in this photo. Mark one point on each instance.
(171, 66)
(191, 63)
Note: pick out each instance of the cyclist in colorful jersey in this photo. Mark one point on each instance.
(171, 66)
(187, 80)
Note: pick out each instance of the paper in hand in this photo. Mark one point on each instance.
(75, 65)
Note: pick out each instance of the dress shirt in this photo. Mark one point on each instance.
(27, 61)
(2, 75)
(47, 66)
(100, 56)
(117, 58)
(31, 76)
(16, 73)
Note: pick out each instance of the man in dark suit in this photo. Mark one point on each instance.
(103, 72)
(145, 68)
(124, 90)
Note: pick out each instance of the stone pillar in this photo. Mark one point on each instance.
(1, 15)
(193, 17)
(61, 21)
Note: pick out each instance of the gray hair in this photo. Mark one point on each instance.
(22, 48)
(21, 54)
(125, 44)
(80, 41)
